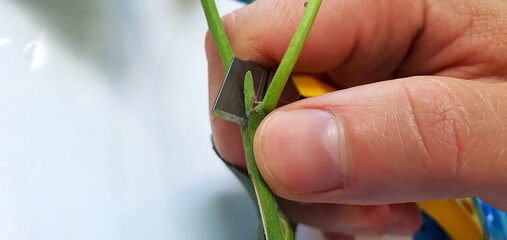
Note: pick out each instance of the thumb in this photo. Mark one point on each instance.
(404, 140)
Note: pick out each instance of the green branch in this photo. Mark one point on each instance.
(291, 56)
(276, 225)
(217, 31)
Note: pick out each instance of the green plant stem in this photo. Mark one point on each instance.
(217, 31)
(291, 56)
(267, 203)
(276, 226)
(265, 198)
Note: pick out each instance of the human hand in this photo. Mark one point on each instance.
(438, 130)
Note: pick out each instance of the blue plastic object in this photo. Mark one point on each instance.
(430, 230)
(494, 222)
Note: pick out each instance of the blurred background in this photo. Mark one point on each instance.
(104, 129)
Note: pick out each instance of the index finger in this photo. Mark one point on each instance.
(340, 43)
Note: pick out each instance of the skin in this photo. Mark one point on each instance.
(421, 114)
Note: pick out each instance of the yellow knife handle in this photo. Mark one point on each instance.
(457, 217)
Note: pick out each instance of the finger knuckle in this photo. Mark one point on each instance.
(439, 119)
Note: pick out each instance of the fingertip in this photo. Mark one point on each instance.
(228, 141)
(377, 218)
(405, 219)
(361, 220)
(210, 48)
(298, 151)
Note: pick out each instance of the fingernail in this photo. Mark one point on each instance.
(303, 150)
(400, 228)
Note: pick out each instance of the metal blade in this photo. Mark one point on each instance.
(229, 103)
